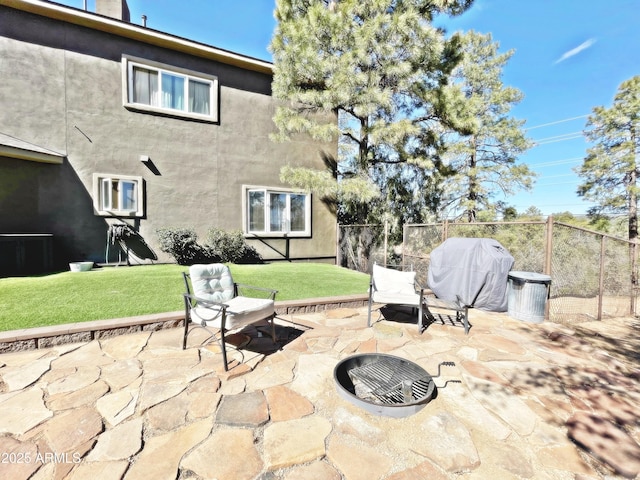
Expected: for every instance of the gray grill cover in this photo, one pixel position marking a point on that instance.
(474, 269)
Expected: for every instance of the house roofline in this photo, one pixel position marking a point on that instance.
(13, 147)
(137, 32)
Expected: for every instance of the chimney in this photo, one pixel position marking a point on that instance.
(117, 9)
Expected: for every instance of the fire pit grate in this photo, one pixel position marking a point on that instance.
(390, 380)
(385, 384)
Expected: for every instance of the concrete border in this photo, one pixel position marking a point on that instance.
(43, 337)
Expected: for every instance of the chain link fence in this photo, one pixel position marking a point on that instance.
(591, 272)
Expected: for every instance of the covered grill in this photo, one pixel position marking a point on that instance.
(472, 272)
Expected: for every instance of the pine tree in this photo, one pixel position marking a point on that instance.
(610, 169)
(485, 163)
(381, 69)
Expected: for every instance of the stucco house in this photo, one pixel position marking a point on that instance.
(104, 121)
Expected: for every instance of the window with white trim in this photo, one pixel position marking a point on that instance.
(118, 195)
(277, 212)
(156, 87)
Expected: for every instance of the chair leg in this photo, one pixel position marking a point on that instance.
(186, 332)
(223, 346)
(273, 328)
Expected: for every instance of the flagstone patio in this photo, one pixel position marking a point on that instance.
(539, 401)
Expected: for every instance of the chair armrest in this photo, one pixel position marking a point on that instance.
(203, 302)
(272, 293)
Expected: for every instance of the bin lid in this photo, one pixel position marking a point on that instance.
(531, 277)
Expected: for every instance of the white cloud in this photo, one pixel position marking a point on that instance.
(577, 50)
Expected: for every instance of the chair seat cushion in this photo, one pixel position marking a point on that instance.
(412, 299)
(241, 312)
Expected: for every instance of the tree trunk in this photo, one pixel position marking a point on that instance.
(473, 183)
(633, 225)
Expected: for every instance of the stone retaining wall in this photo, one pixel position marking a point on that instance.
(43, 337)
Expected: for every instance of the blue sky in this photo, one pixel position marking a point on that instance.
(570, 56)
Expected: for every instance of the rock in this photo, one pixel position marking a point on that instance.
(161, 455)
(357, 426)
(285, 404)
(22, 411)
(235, 456)
(606, 442)
(243, 410)
(74, 379)
(447, 442)
(119, 443)
(99, 470)
(67, 432)
(314, 471)
(363, 462)
(89, 354)
(18, 458)
(314, 376)
(419, 472)
(117, 407)
(121, 374)
(295, 441)
(125, 347)
(19, 377)
(77, 398)
(271, 375)
(504, 404)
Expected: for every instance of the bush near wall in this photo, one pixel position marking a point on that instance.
(220, 246)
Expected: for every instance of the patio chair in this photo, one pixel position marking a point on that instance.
(216, 303)
(394, 287)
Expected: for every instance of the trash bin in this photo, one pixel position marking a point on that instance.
(527, 294)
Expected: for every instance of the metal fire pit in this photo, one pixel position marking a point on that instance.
(384, 384)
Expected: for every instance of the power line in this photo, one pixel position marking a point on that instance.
(559, 138)
(557, 121)
(557, 162)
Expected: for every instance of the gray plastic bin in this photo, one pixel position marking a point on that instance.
(527, 294)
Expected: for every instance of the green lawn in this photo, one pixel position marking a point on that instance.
(116, 292)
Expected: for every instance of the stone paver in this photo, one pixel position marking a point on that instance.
(538, 401)
(295, 441)
(588, 430)
(228, 454)
(447, 442)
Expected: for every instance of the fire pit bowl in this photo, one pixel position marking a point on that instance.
(383, 384)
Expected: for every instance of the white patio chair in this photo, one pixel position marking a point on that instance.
(216, 303)
(393, 287)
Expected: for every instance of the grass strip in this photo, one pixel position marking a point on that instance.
(116, 292)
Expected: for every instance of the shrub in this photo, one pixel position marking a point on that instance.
(182, 244)
(231, 246)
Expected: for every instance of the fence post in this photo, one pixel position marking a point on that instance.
(547, 260)
(548, 246)
(601, 276)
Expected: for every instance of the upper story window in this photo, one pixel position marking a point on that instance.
(118, 195)
(277, 212)
(156, 87)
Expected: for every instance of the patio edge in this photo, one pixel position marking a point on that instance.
(44, 337)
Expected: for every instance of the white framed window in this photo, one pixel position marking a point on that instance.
(276, 212)
(118, 195)
(156, 87)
